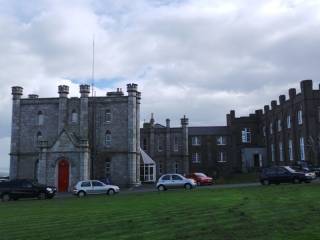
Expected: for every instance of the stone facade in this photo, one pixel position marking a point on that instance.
(167, 146)
(95, 137)
(100, 137)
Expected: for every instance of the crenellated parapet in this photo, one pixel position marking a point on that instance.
(63, 91)
(17, 92)
(84, 90)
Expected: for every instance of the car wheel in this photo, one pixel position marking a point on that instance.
(161, 188)
(265, 182)
(42, 196)
(296, 180)
(5, 198)
(81, 194)
(187, 186)
(111, 192)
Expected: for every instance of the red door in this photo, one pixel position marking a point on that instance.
(63, 178)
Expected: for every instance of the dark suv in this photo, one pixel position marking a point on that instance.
(23, 188)
(284, 174)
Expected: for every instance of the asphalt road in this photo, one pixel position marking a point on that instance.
(151, 188)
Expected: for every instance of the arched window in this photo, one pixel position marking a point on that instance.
(108, 168)
(40, 118)
(107, 116)
(39, 137)
(36, 170)
(108, 138)
(74, 116)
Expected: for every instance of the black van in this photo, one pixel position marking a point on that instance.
(284, 174)
(23, 188)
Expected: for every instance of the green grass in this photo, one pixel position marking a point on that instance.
(271, 212)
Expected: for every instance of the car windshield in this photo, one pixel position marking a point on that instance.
(290, 169)
(200, 175)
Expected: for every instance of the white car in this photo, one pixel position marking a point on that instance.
(174, 181)
(84, 188)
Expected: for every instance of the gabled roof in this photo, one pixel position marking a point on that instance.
(64, 142)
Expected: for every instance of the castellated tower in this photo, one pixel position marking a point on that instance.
(59, 141)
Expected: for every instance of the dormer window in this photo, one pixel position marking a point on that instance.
(40, 118)
(107, 116)
(74, 116)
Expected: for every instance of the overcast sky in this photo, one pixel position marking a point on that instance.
(195, 57)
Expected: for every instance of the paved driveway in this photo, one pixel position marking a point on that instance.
(151, 188)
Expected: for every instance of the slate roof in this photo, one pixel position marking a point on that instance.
(217, 130)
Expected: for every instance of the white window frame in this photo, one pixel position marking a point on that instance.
(196, 157)
(290, 150)
(40, 118)
(74, 116)
(281, 151)
(159, 144)
(279, 125)
(160, 168)
(302, 153)
(300, 120)
(108, 139)
(271, 128)
(222, 140)
(222, 156)
(196, 141)
(264, 131)
(175, 144)
(107, 116)
(272, 153)
(108, 168)
(289, 121)
(246, 135)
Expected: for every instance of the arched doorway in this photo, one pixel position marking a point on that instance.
(63, 176)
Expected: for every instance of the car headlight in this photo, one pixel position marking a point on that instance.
(49, 189)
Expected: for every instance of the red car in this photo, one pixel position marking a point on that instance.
(201, 178)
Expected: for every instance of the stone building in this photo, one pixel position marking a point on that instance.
(167, 146)
(210, 150)
(248, 148)
(291, 129)
(62, 140)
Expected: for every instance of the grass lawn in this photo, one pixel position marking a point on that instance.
(271, 212)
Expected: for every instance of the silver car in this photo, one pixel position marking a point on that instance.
(174, 181)
(83, 188)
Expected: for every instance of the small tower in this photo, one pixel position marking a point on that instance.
(185, 150)
(84, 90)
(133, 157)
(63, 91)
(15, 131)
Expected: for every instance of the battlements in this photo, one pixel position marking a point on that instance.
(63, 90)
(17, 92)
(115, 94)
(33, 96)
(184, 121)
(84, 90)
(132, 87)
